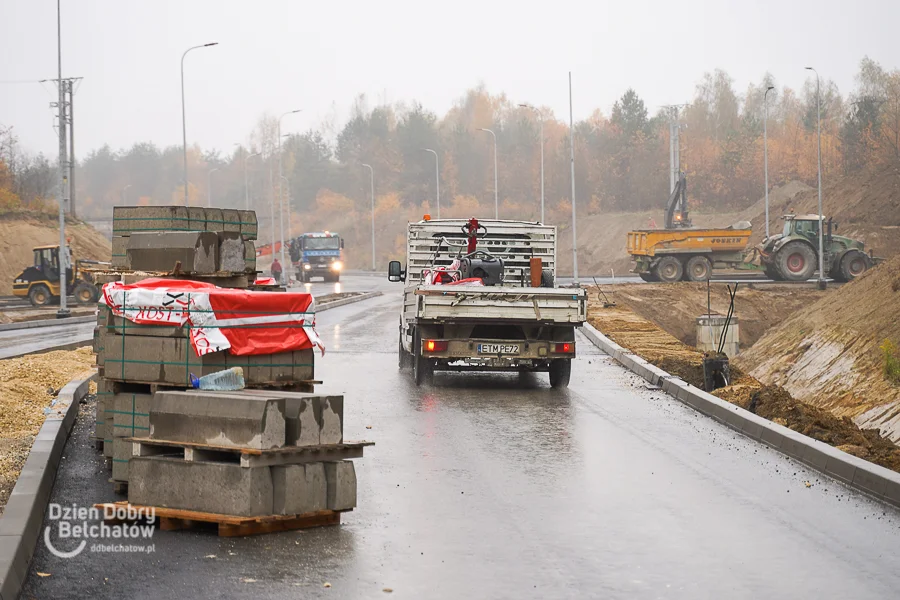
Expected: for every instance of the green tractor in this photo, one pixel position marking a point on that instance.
(792, 255)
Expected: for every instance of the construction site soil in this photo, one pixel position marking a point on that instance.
(20, 233)
(646, 339)
(27, 386)
(830, 354)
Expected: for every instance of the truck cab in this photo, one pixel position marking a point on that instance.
(318, 254)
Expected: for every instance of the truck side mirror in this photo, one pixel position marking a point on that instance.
(342, 243)
(835, 226)
(395, 271)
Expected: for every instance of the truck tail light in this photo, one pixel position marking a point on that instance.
(564, 348)
(435, 345)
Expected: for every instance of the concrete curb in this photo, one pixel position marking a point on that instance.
(46, 323)
(69, 346)
(868, 478)
(345, 301)
(20, 525)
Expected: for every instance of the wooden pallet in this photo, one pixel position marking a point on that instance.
(171, 519)
(248, 457)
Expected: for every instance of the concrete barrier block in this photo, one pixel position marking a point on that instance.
(231, 250)
(249, 255)
(840, 467)
(131, 417)
(248, 224)
(892, 491)
(341, 478)
(332, 408)
(122, 451)
(299, 489)
(753, 426)
(215, 220)
(232, 419)
(231, 220)
(197, 218)
(132, 219)
(197, 251)
(119, 252)
(871, 479)
(222, 488)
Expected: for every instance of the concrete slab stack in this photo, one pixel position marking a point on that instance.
(229, 225)
(247, 453)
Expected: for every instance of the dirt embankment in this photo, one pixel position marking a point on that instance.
(19, 234)
(675, 307)
(27, 385)
(829, 355)
(646, 339)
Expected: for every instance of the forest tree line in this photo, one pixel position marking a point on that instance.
(621, 158)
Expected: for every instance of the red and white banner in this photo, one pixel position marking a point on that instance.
(240, 321)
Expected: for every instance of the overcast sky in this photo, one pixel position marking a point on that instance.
(278, 55)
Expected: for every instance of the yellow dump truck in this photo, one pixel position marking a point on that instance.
(690, 254)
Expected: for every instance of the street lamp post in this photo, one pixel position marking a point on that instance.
(819, 156)
(209, 186)
(496, 196)
(124, 200)
(541, 117)
(372, 193)
(287, 181)
(63, 312)
(247, 185)
(184, 119)
(280, 177)
(437, 180)
(766, 151)
(572, 163)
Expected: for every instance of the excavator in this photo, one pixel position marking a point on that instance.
(40, 281)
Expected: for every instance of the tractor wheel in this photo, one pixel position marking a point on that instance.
(423, 370)
(796, 261)
(854, 264)
(560, 372)
(669, 269)
(40, 295)
(85, 293)
(772, 273)
(648, 277)
(698, 268)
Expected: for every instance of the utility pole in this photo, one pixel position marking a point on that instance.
(71, 114)
(821, 283)
(437, 180)
(496, 195)
(63, 312)
(572, 161)
(766, 151)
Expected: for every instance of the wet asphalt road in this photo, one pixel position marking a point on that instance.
(491, 486)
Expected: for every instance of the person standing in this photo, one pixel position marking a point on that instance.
(276, 270)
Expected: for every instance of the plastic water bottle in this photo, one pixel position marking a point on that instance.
(227, 380)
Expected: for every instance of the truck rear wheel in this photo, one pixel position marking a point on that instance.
(698, 269)
(560, 372)
(648, 277)
(796, 261)
(669, 269)
(423, 370)
(405, 360)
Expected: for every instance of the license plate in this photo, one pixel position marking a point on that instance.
(498, 349)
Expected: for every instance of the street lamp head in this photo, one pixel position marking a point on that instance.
(211, 44)
(771, 87)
